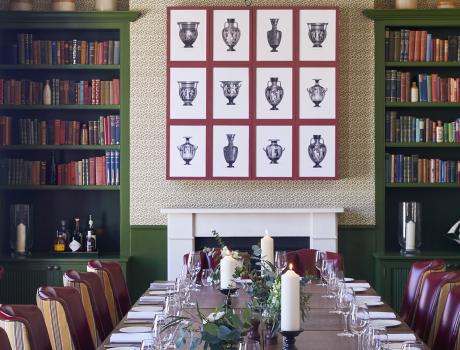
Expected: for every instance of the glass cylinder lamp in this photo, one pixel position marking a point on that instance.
(410, 227)
(21, 238)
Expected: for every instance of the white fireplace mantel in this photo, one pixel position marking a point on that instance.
(319, 224)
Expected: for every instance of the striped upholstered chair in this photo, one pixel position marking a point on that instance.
(65, 318)
(448, 334)
(25, 327)
(115, 288)
(4, 341)
(94, 302)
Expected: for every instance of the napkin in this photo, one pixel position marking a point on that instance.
(381, 315)
(142, 315)
(399, 337)
(129, 338)
(157, 298)
(358, 285)
(367, 298)
(161, 285)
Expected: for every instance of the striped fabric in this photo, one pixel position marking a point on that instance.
(105, 279)
(17, 334)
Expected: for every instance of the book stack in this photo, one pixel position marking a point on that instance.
(23, 172)
(401, 168)
(413, 129)
(408, 45)
(30, 51)
(5, 130)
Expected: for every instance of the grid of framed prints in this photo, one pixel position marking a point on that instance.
(252, 93)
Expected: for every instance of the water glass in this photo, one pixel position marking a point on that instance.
(172, 306)
(249, 345)
(345, 300)
(281, 261)
(358, 321)
(194, 267)
(206, 277)
(163, 333)
(326, 266)
(376, 338)
(413, 345)
(319, 262)
(149, 344)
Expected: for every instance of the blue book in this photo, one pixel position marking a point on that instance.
(112, 168)
(81, 93)
(108, 164)
(117, 168)
(53, 52)
(428, 47)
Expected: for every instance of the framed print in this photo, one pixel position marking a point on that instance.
(231, 93)
(231, 33)
(318, 34)
(187, 151)
(274, 93)
(273, 151)
(187, 93)
(317, 97)
(230, 151)
(317, 151)
(274, 35)
(188, 35)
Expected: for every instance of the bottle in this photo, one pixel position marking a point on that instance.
(90, 236)
(47, 93)
(439, 132)
(59, 242)
(75, 244)
(64, 232)
(414, 92)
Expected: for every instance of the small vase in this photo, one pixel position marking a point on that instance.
(187, 150)
(317, 93)
(274, 35)
(188, 33)
(253, 332)
(21, 5)
(63, 5)
(230, 151)
(274, 93)
(274, 151)
(270, 335)
(317, 33)
(47, 93)
(231, 34)
(187, 91)
(317, 150)
(106, 5)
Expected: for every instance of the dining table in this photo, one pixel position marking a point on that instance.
(320, 327)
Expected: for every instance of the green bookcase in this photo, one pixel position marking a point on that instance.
(440, 202)
(108, 204)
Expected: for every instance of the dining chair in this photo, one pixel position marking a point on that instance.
(417, 274)
(303, 261)
(115, 287)
(4, 341)
(25, 327)
(448, 334)
(65, 318)
(94, 303)
(433, 295)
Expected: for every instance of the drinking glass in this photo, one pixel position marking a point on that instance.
(345, 300)
(194, 267)
(206, 277)
(377, 338)
(319, 263)
(332, 285)
(150, 344)
(280, 261)
(413, 345)
(172, 306)
(164, 334)
(326, 266)
(249, 345)
(358, 321)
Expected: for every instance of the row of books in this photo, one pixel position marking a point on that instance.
(407, 128)
(408, 45)
(63, 92)
(31, 51)
(5, 130)
(401, 168)
(105, 131)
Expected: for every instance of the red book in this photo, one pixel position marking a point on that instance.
(106, 52)
(59, 174)
(411, 45)
(100, 174)
(434, 90)
(418, 42)
(116, 91)
(423, 46)
(92, 171)
(1, 91)
(42, 172)
(106, 131)
(443, 89)
(72, 173)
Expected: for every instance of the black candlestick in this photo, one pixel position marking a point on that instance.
(289, 339)
(228, 292)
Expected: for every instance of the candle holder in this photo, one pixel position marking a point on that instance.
(21, 238)
(410, 227)
(289, 339)
(228, 292)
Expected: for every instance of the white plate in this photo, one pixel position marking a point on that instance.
(147, 308)
(359, 289)
(125, 348)
(385, 323)
(158, 292)
(135, 329)
(393, 346)
(348, 279)
(374, 303)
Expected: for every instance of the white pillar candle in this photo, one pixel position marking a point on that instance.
(267, 248)
(227, 270)
(226, 251)
(290, 301)
(410, 235)
(21, 238)
(106, 5)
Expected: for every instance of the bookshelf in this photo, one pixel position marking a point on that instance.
(109, 204)
(439, 200)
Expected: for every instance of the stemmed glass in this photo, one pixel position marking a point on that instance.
(345, 299)
(413, 345)
(280, 261)
(377, 338)
(149, 344)
(326, 266)
(319, 263)
(358, 321)
(172, 306)
(194, 267)
(249, 345)
(163, 332)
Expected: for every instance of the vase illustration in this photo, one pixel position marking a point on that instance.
(274, 35)
(230, 151)
(187, 150)
(317, 150)
(317, 93)
(231, 89)
(317, 33)
(274, 151)
(187, 91)
(188, 32)
(231, 34)
(274, 93)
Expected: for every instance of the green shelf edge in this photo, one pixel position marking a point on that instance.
(423, 64)
(59, 107)
(58, 188)
(423, 185)
(421, 145)
(422, 105)
(15, 67)
(59, 147)
(433, 15)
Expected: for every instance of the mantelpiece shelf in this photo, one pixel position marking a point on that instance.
(423, 185)
(59, 147)
(422, 145)
(423, 64)
(59, 107)
(58, 187)
(16, 67)
(422, 105)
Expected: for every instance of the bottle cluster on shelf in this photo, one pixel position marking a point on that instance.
(427, 88)
(5, 130)
(105, 131)
(27, 50)
(75, 241)
(406, 128)
(407, 45)
(60, 92)
(401, 168)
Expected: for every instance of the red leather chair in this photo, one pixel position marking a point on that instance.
(448, 335)
(65, 318)
(92, 295)
(417, 275)
(433, 295)
(24, 324)
(303, 261)
(4, 341)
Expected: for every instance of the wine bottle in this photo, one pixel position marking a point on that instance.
(90, 236)
(64, 232)
(59, 243)
(75, 244)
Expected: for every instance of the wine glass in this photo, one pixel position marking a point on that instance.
(172, 306)
(326, 266)
(149, 344)
(319, 262)
(358, 321)
(377, 338)
(249, 345)
(345, 299)
(194, 267)
(413, 345)
(280, 261)
(206, 277)
(163, 332)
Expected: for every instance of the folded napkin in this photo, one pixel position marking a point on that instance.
(142, 315)
(399, 337)
(367, 298)
(161, 285)
(381, 315)
(358, 285)
(157, 292)
(158, 298)
(129, 338)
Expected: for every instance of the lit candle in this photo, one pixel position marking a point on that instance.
(225, 251)
(227, 270)
(290, 301)
(410, 235)
(267, 246)
(21, 238)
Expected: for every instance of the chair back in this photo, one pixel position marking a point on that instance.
(434, 287)
(94, 303)
(25, 327)
(4, 341)
(448, 334)
(65, 318)
(303, 261)
(115, 287)
(417, 275)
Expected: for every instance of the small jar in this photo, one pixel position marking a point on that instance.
(63, 5)
(405, 4)
(21, 5)
(106, 5)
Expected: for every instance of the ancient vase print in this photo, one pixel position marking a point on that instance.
(274, 35)
(317, 150)
(187, 150)
(188, 91)
(274, 93)
(274, 151)
(230, 88)
(230, 151)
(188, 33)
(231, 33)
(317, 33)
(317, 93)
